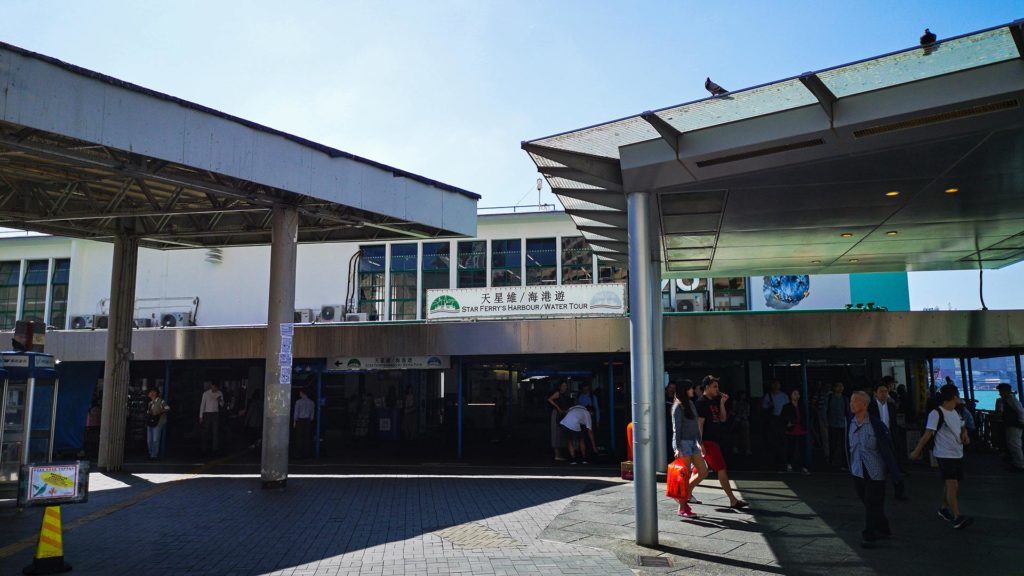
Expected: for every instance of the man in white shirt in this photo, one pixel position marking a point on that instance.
(209, 417)
(950, 433)
(576, 420)
(302, 424)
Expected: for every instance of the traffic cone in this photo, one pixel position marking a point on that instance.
(49, 558)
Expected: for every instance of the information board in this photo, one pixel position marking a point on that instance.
(52, 484)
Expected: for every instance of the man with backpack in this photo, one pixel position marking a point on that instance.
(950, 434)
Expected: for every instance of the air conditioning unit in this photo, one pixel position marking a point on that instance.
(689, 302)
(142, 323)
(303, 316)
(332, 313)
(176, 319)
(81, 322)
(357, 317)
(101, 321)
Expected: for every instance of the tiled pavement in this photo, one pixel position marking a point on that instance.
(508, 525)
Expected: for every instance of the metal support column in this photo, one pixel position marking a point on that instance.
(1020, 383)
(166, 394)
(642, 369)
(277, 399)
(805, 396)
(963, 379)
(458, 407)
(116, 367)
(611, 403)
(969, 380)
(319, 403)
(661, 441)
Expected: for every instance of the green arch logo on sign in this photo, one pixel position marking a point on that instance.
(445, 305)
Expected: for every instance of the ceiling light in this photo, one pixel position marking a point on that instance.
(892, 193)
(891, 233)
(846, 235)
(952, 190)
(854, 260)
(815, 261)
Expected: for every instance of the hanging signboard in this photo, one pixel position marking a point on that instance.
(357, 364)
(51, 484)
(563, 300)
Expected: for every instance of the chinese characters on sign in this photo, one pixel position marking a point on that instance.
(354, 364)
(527, 301)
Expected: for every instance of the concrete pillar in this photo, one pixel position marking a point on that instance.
(277, 398)
(116, 368)
(642, 370)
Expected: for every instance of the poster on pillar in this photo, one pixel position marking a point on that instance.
(575, 300)
(284, 357)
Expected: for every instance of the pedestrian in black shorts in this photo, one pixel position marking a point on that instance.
(950, 433)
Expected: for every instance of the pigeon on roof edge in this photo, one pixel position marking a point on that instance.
(927, 38)
(715, 89)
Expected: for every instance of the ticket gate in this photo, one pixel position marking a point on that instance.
(28, 407)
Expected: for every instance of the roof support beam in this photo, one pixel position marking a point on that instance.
(825, 97)
(612, 219)
(580, 176)
(613, 200)
(668, 132)
(1017, 31)
(604, 232)
(606, 169)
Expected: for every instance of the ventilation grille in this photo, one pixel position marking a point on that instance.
(759, 152)
(653, 561)
(938, 118)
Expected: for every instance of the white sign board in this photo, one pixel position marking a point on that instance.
(527, 302)
(53, 482)
(355, 364)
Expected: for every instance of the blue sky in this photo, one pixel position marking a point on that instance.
(448, 89)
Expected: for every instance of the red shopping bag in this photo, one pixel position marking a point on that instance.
(678, 477)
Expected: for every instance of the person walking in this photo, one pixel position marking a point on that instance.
(302, 424)
(209, 418)
(796, 433)
(883, 407)
(945, 425)
(686, 443)
(589, 400)
(156, 421)
(1013, 423)
(576, 424)
(560, 403)
(838, 412)
(871, 461)
(711, 418)
(771, 406)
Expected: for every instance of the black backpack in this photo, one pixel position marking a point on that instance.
(942, 422)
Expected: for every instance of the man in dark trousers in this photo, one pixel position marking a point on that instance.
(302, 425)
(884, 408)
(871, 461)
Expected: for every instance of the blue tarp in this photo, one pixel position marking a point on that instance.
(77, 384)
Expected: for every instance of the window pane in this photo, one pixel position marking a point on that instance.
(9, 272)
(59, 306)
(62, 271)
(371, 282)
(612, 274)
(540, 261)
(506, 262)
(577, 261)
(436, 264)
(472, 271)
(403, 257)
(37, 272)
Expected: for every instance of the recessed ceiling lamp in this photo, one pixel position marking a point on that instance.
(893, 193)
(815, 261)
(952, 190)
(891, 233)
(854, 260)
(846, 235)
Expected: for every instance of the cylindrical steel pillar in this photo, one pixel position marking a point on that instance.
(116, 368)
(661, 431)
(277, 399)
(642, 369)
